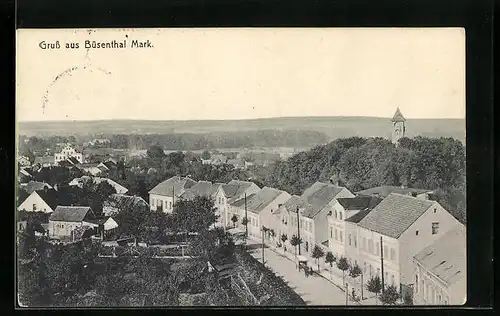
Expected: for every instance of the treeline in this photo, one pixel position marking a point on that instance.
(185, 141)
(361, 163)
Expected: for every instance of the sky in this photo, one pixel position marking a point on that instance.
(241, 73)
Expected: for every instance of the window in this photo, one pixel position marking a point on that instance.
(392, 279)
(393, 254)
(331, 232)
(386, 252)
(416, 283)
(435, 228)
(336, 216)
(220, 200)
(355, 242)
(170, 205)
(416, 233)
(340, 215)
(336, 236)
(34, 207)
(341, 236)
(349, 239)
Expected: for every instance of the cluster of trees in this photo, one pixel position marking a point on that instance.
(34, 143)
(361, 163)
(185, 141)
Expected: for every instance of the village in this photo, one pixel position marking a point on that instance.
(381, 245)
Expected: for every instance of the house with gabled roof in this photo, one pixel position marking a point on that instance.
(117, 203)
(227, 193)
(163, 196)
(79, 182)
(64, 220)
(440, 270)
(342, 224)
(398, 228)
(309, 212)
(259, 208)
(44, 200)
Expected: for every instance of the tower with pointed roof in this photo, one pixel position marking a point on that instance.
(399, 127)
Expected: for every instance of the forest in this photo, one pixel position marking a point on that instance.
(359, 163)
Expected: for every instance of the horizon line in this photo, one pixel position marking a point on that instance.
(234, 119)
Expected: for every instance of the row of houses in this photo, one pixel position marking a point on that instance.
(401, 227)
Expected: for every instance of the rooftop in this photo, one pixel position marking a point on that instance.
(236, 188)
(398, 117)
(359, 202)
(122, 201)
(32, 186)
(262, 199)
(70, 213)
(446, 258)
(317, 196)
(202, 188)
(385, 190)
(395, 214)
(175, 185)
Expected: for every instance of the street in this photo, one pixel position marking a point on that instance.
(314, 289)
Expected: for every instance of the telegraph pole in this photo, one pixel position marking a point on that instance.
(246, 217)
(298, 227)
(346, 293)
(382, 262)
(263, 245)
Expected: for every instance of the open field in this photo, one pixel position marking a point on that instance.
(333, 127)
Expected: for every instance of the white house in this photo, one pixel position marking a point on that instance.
(67, 152)
(260, 207)
(440, 270)
(44, 200)
(228, 194)
(65, 219)
(342, 232)
(24, 161)
(400, 227)
(163, 196)
(313, 207)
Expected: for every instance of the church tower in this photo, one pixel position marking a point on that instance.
(399, 128)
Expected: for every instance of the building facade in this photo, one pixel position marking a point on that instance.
(67, 152)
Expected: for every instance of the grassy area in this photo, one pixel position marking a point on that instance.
(271, 289)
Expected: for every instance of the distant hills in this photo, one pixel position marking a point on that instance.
(332, 127)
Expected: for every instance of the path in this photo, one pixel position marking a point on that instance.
(314, 290)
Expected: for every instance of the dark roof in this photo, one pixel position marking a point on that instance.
(73, 160)
(356, 218)
(395, 214)
(241, 202)
(317, 196)
(398, 117)
(385, 190)
(293, 202)
(446, 257)
(262, 199)
(179, 184)
(236, 188)
(359, 202)
(122, 201)
(202, 188)
(70, 213)
(50, 196)
(32, 186)
(109, 164)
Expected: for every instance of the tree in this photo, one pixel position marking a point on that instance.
(354, 272)
(244, 222)
(234, 219)
(155, 152)
(317, 254)
(295, 242)
(343, 265)
(330, 259)
(374, 285)
(284, 238)
(196, 215)
(407, 299)
(390, 295)
(205, 155)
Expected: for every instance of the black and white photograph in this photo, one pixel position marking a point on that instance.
(229, 167)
